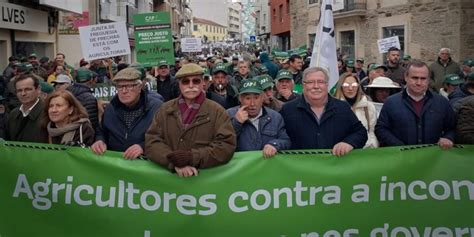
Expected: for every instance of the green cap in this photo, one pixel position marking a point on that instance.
(406, 57)
(350, 62)
(263, 69)
(284, 74)
(265, 81)
(163, 63)
(207, 72)
(128, 74)
(470, 77)
(453, 79)
(377, 66)
(220, 68)
(189, 69)
(45, 87)
(33, 55)
(251, 86)
(468, 62)
(83, 75)
(25, 67)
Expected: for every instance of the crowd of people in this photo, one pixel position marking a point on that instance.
(200, 111)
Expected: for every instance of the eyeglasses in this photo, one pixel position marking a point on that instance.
(315, 82)
(126, 87)
(353, 84)
(195, 81)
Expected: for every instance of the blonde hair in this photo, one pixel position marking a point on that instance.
(340, 94)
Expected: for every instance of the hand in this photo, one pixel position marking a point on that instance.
(99, 147)
(186, 171)
(180, 158)
(445, 143)
(242, 115)
(341, 149)
(133, 152)
(269, 151)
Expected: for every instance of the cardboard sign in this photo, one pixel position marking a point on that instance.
(104, 40)
(191, 45)
(385, 44)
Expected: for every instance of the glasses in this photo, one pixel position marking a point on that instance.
(353, 84)
(195, 81)
(126, 87)
(315, 82)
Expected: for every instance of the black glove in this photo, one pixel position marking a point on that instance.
(180, 158)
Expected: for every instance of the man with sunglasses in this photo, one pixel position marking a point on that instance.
(190, 132)
(127, 117)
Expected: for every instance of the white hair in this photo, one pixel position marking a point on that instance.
(448, 50)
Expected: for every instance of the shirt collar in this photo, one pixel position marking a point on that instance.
(27, 112)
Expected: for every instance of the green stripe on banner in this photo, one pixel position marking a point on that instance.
(48, 190)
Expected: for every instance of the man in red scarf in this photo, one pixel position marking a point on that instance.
(190, 132)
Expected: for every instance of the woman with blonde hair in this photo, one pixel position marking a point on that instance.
(349, 89)
(67, 121)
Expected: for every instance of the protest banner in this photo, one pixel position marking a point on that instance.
(189, 45)
(104, 40)
(387, 43)
(153, 38)
(106, 91)
(51, 190)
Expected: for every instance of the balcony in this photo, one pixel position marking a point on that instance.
(352, 8)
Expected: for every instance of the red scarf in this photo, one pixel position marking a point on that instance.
(189, 112)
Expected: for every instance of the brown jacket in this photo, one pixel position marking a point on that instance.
(210, 137)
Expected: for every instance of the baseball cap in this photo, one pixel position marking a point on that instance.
(263, 69)
(128, 74)
(453, 79)
(284, 74)
(470, 77)
(33, 55)
(360, 59)
(83, 75)
(163, 63)
(251, 86)
(265, 81)
(207, 72)
(189, 70)
(46, 88)
(406, 57)
(25, 67)
(61, 78)
(220, 68)
(468, 62)
(44, 59)
(350, 62)
(377, 66)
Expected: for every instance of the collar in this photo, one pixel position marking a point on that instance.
(27, 112)
(416, 98)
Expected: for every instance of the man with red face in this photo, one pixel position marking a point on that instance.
(190, 132)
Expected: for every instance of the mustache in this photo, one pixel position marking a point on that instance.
(316, 90)
(194, 89)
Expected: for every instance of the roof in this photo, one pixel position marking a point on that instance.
(206, 22)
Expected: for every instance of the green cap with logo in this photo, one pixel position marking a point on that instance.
(350, 62)
(284, 74)
(207, 72)
(266, 81)
(406, 57)
(453, 79)
(25, 67)
(83, 75)
(377, 66)
(163, 63)
(251, 86)
(263, 69)
(470, 78)
(468, 62)
(220, 68)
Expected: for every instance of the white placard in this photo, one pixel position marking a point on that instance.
(385, 44)
(337, 5)
(191, 45)
(23, 18)
(104, 40)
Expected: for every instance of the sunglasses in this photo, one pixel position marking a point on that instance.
(195, 81)
(353, 84)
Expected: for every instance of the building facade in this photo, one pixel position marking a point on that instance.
(209, 31)
(234, 23)
(280, 24)
(262, 24)
(422, 27)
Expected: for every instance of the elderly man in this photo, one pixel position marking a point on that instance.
(127, 117)
(416, 115)
(23, 123)
(190, 132)
(221, 86)
(257, 127)
(242, 74)
(316, 120)
(443, 66)
(285, 86)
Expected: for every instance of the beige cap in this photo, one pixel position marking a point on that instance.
(128, 74)
(189, 70)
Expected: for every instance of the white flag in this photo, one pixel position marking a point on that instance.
(324, 50)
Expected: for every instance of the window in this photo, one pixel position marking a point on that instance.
(348, 43)
(195, 27)
(396, 31)
(280, 12)
(264, 19)
(312, 2)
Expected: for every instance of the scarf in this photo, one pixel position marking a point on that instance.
(189, 112)
(67, 131)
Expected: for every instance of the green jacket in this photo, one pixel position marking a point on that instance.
(438, 71)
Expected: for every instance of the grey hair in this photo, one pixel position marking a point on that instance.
(311, 70)
(445, 49)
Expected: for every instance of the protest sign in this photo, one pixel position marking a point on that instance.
(387, 43)
(104, 40)
(191, 45)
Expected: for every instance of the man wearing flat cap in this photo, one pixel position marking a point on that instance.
(190, 132)
(127, 117)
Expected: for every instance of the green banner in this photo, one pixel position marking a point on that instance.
(153, 37)
(301, 51)
(48, 190)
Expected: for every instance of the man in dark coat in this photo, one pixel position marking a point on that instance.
(166, 84)
(81, 89)
(316, 120)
